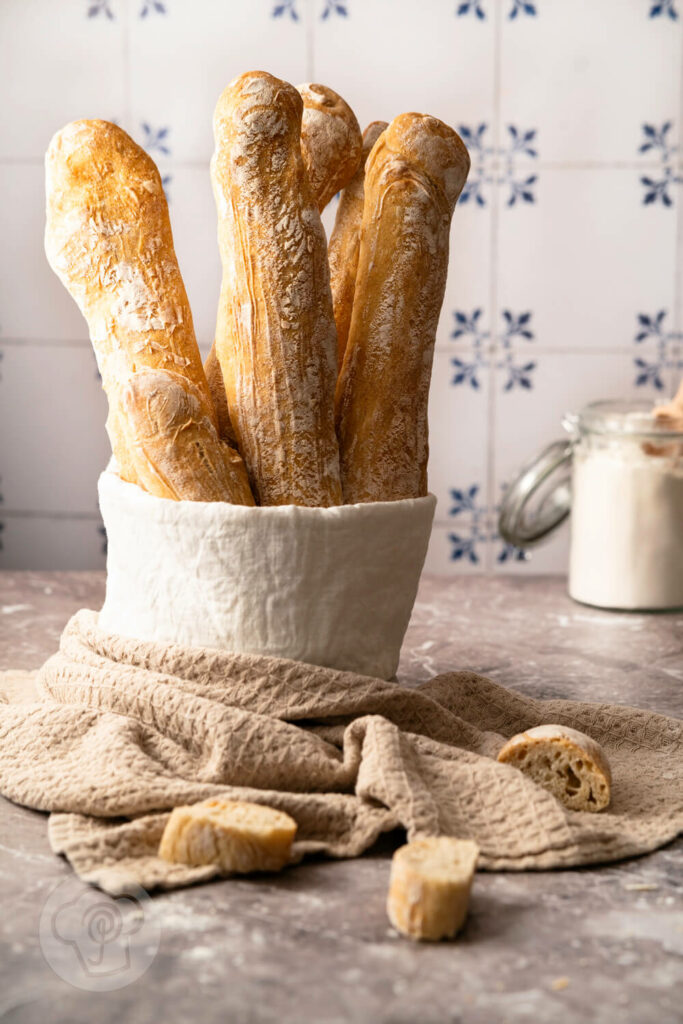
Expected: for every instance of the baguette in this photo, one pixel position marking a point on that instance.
(344, 244)
(214, 378)
(566, 762)
(174, 446)
(413, 178)
(108, 238)
(239, 837)
(331, 143)
(430, 884)
(275, 333)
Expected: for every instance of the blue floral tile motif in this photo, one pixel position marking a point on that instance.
(493, 350)
(285, 8)
(152, 7)
(101, 8)
(652, 330)
(479, 530)
(656, 142)
(522, 7)
(155, 139)
(166, 180)
(477, 8)
(497, 165)
(334, 7)
(663, 9)
(471, 7)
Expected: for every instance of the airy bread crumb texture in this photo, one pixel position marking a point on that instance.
(566, 762)
(430, 884)
(239, 837)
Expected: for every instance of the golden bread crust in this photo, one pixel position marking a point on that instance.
(275, 333)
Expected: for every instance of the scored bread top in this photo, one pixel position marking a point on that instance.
(331, 141)
(413, 176)
(275, 332)
(108, 238)
(427, 143)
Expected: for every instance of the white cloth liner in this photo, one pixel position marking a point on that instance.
(328, 586)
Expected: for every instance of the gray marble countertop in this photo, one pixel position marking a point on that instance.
(592, 945)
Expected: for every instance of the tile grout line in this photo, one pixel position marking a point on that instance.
(678, 255)
(493, 290)
(541, 165)
(28, 513)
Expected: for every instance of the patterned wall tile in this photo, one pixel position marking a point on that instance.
(193, 218)
(33, 302)
(459, 436)
(52, 414)
(57, 65)
(182, 59)
(387, 57)
(589, 74)
(528, 420)
(39, 542)
(584, 254)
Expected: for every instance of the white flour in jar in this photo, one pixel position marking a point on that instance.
(627, 526)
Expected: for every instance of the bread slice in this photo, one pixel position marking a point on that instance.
(239, 837)
(429, 889)
(566, 762)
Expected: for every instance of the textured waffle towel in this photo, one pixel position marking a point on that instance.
(122, 731)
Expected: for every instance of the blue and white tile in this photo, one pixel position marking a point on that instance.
(468, 285)
(390, 56)
(181, 60)
(47, 544)
(526, 420)
(193, 218)
(586, 257)
(455, 551)
(458, 418)
(589, 74)
(57, 65)
(52, 416)
(33, 302)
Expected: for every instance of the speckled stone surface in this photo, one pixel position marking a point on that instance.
(595, 945)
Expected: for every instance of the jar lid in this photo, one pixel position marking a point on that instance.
(624, 418)
(539, 499)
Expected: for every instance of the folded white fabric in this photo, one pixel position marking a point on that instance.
(327, 586)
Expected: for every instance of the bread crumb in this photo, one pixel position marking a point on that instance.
(559, 983)
(640, 886)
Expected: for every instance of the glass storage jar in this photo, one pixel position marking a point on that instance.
(620, 473)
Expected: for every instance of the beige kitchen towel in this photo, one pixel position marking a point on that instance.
(120, 731)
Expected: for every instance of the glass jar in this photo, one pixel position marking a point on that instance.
(620, 473)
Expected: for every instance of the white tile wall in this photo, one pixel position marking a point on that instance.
(567, 246)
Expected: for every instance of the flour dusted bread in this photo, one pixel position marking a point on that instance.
(566, 762)
(345, 242)
(275, 333)
(173, 445)
(108, 238)
(331, 142)
(429, 888)
(413, 177)
(214, 378)
(239, 837)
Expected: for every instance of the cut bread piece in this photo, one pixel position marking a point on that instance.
(429, 889)
(566, 762)
(239, 837)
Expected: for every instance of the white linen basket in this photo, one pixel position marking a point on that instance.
(329, 586)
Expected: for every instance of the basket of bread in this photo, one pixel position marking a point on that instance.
(273, 500)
